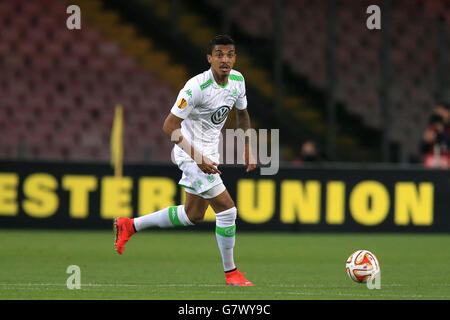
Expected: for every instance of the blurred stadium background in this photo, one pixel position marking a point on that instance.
(352, 105)
(312, 69)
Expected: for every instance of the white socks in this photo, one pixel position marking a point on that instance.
(226, 236)
(169, 217)
(176, 216)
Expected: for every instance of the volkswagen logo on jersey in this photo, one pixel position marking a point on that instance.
(220, 114)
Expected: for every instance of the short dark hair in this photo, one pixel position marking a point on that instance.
(221, 39)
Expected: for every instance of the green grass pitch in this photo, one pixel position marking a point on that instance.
(179, 265)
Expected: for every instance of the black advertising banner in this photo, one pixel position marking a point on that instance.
(88, 196)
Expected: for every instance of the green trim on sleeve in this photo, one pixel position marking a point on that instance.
(236, 77)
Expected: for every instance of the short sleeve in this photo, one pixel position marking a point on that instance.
(186, 100)
(241, 102)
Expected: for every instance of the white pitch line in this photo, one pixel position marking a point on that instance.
(64, 285)
(327, 286)
(206, 285)
(374, 294)
(111, 285)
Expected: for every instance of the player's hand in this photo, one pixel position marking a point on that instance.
(208, 166)
(249, 160)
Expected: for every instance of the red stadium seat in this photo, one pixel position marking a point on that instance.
(60, 88)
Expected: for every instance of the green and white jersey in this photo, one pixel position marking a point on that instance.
(204, 105)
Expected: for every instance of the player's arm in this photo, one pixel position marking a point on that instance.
(172, 128)
(243, 122)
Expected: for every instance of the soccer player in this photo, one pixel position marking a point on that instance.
(194, 125)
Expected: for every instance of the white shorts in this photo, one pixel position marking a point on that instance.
(211, 193)
(195, 181)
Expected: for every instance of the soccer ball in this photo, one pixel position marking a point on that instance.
(362, 265)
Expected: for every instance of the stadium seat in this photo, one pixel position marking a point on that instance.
(59, 88)
(358, 53)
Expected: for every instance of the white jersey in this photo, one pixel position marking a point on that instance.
(204, 105)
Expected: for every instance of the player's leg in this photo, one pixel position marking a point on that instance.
(192, 212)
(226, 213)
(195, 207)
(170, 217)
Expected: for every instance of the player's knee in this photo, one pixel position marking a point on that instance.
(223, 205)
(230, 204)
(195, 216)
(227, 217)
(196, 219)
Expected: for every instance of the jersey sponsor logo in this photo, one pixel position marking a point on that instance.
(220, 114)
(182, 103)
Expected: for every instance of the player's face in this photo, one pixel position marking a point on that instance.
(222, 59)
